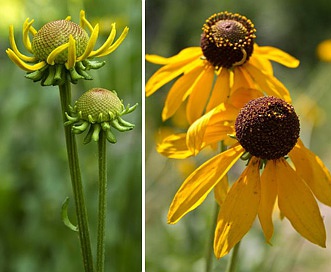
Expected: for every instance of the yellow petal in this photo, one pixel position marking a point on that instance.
(15, 49)
(197, 186)
(268, 83)
(71, 53)
(58, 50)
(239, 210)
(298, 204)
(168, 73)
(277, 55)
(241, 79)
(84, 22)
(324, 50)
(200, 94)
(213, 120)
(22, 64)
(174, 146)
(242, 96)
(268, 198)
(221, 190)
(26, 40)
(187, 55)
(221, 90)
(91, 43)
(179, 92)
(313, 171)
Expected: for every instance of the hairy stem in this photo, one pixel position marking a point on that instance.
(81, 212)
(102, 201)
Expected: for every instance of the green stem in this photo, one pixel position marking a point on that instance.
(81, 212)
(209, 255)
(234, 258)
(102, 201)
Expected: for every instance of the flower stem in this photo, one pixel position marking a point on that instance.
(234, 257)
(209, 255)
(102, 201)
(81, 212)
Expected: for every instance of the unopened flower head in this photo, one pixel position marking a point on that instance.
(99, 109)
(61, 48)
(227, 39)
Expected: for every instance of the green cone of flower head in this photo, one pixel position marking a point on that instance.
(99, 109)
(56, 33)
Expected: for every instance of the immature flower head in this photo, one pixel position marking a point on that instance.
(99, 109)
(55, 34)
(227, 39)
(267, 127)
(61, 49)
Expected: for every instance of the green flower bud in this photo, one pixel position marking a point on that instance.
(99, 109)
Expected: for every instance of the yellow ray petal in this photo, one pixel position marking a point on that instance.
(186, 55)
(109, 49)
(22, 64)
(15, 49)
(84, 22)
(239, 210)
(268, 83)
(313, 171)
(91, 43)
(221, 190)
(298, 204)
(277, 55)
(213, 120)
(26, 39)
(179, 92)
(200, 94)
(71, 53)
(174, 146)
(241, 79)
(168, 73)
(268, 198)
(197, 186)
(221, 90)
(51, 57)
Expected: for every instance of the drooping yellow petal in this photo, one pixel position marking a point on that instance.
(84, 22)
(200, 94)
(221, 90)
(298, 204)
(179, 92)
(221, 190)
(26, 39)
(91, 43)
(27, 67)
(168, 73)
(268, 83)
(242, 96)
(187, 55)
(15, 49)
(268, 198)
(51, 57)
(197, 186)
(239, 210)
(310, 167)
(241, 79)
(70, 63)
(212, 120)
(277, 55)
(174, 146)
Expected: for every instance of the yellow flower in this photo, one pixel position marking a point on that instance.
(59, 47)
(324, 50)
(267, 129)
(228, 59)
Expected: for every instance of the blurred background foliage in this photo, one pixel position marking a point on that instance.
(34, 179)
(295, 26)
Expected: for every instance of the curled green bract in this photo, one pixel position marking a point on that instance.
(99, 110)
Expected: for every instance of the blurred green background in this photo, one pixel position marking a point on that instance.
(34, 178)
(295, 26)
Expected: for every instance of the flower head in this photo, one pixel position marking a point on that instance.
(99, 109)
(228, 59)
(292, 175)
(61, 48)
